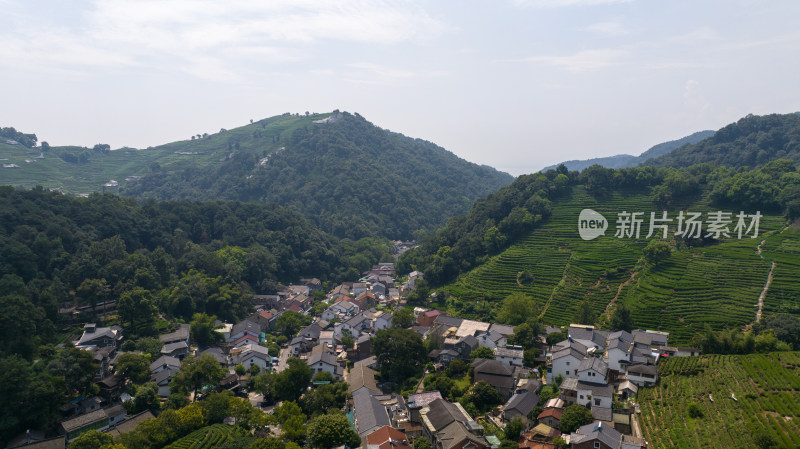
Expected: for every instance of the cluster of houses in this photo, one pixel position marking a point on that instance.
(593, 365)
(592, 368)
(375, 413)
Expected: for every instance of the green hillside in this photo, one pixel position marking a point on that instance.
(717, 284)
(350, 177)
(766, 409)
(750, 142)
(50, 169)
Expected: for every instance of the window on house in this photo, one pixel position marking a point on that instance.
(597, 445)
(597, 402)
(567, 363)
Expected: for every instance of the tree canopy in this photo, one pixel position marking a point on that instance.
(332, 430)
(400, 353)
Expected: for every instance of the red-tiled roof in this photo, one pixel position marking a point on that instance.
(554, 412)
(246, 337)
(386, 436)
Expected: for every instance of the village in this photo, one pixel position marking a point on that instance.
(572, 387)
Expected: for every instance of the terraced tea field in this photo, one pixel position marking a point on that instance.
(205, 438)
(784, 293)
(718, 284)
(767, 392)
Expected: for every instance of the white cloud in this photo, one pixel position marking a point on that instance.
(585, 60)
(371, 73)
(693, 99)
(607, 29)
(209, 36)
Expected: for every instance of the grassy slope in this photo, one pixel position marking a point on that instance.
(766, 386)
(53, 172)
(718, 284)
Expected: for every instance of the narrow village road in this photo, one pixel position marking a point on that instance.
(283, 356)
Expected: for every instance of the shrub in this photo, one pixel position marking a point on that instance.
(694, 411)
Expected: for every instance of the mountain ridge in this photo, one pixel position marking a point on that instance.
(628, 160)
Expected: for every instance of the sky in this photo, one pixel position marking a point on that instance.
(514, 84)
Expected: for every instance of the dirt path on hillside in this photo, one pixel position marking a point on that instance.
(766, 286)
(764, 292)
(619, 291)
(555, 289)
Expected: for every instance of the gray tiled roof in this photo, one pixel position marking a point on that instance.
(593, 363)
(369, 414)
(643, 369)
(522, 402)
(361, 376)
(606, 391)
(171, 347)
(423, 399)
(181, 334)
(442, 413)
(245, 326)
(162, 375)
(165, 360)
(506, 352)
(83, 420)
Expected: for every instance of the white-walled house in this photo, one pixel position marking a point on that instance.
(595, 395)
(618, 350)
(491, 339)
(254, 355)
(383, 320)
(510, 357)
(643, 375)
(594, 370)
(322, 360)
(566, 361)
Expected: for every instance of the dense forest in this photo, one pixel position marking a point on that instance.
(348, 176)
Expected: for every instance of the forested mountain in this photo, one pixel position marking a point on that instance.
(750, 142)
(627, 160)
(524, 239)
(348, 176)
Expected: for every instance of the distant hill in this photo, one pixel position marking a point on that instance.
(348, 176)
(750, 142)
(627, 160)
